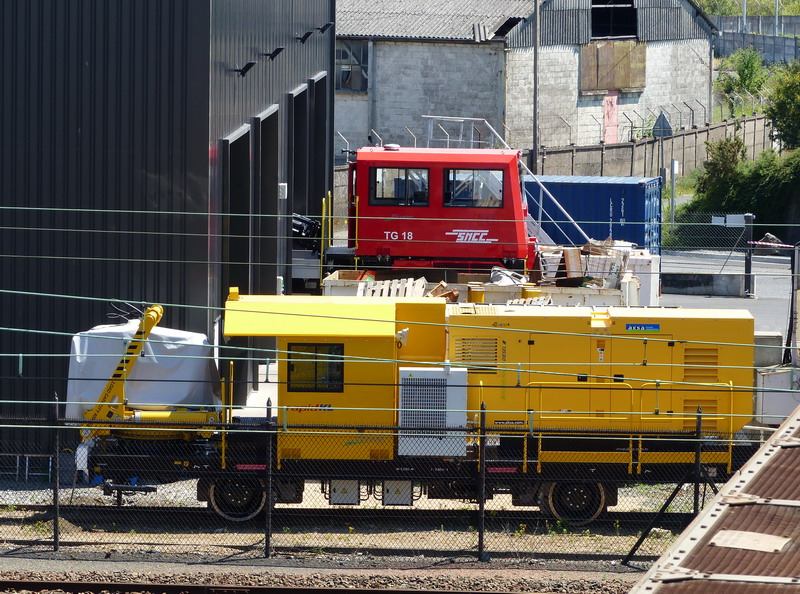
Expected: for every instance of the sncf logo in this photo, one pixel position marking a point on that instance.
(471, 235)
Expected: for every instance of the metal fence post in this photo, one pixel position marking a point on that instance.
(57, 481)
(697, 457)
(482, 556)
(270, 435)
(748, 255)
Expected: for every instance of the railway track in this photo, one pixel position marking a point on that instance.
(160, 516)
(81, 587)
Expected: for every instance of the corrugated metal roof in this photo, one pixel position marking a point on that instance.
(595, 179)
(562, 24)
(746, 539)
(452, 20)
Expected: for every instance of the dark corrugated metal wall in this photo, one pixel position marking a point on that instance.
(663, 20)
(569, 22)
(99, 107)
(119, 106)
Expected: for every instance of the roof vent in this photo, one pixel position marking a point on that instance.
(391, 147)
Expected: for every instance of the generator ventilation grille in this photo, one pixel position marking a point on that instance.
(480, 354)
(432, 404)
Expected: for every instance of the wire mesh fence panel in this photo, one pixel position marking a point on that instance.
(360, 495)
(26, 491)
(256, 488)
(692, 231)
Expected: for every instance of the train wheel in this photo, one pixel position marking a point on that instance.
(237, 500)
(575, 503)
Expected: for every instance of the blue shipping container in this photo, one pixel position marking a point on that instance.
(622, 208)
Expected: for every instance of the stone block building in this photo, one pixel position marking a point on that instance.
(604, 71)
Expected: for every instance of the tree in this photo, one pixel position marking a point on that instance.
(720, 7)
(783, 106)
(719, 181)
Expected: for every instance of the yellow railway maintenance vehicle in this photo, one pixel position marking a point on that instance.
(384, 396)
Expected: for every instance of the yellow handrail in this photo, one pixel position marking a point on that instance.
(322, 241)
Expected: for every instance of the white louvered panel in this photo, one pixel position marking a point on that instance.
(432, 398)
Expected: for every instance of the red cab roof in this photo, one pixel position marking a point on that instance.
(472, 157)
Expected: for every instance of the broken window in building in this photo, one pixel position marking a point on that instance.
(352, 62)
(613, 18)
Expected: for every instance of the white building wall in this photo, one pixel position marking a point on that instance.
(675, 71)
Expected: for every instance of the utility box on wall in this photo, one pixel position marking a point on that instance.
(623, 208)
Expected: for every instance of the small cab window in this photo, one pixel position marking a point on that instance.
(398, 186)
(316, 368)
(474, 188)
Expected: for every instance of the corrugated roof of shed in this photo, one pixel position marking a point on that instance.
(450, 20)
(724, 548)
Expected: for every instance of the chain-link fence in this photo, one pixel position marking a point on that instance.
(718, 232)
(258, 487)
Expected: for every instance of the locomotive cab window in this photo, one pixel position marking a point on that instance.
(398, 186)
(473, 188)
(316, 368)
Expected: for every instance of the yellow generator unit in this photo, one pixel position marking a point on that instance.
(616, 368)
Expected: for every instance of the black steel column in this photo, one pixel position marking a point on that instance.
(57, 481)
(482, 556)
(270, 435)
(697, 455)
(748, 254)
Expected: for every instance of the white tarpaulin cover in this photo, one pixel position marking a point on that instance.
(174, 370)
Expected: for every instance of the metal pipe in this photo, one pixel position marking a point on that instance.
(641, 117)
(569, 126)
(346, 149)
(752, 101)
(705, 112)
(680, 115)
(600, 124)
(735, 96)
(691, 111)
(445, 133)
(472, 137)
(414, 136)
(630, 123)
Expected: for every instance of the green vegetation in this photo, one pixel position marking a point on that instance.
(741, 78)
(784, 105)
(768, 187)
(754, 7)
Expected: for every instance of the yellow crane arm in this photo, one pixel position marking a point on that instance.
(114, 393)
